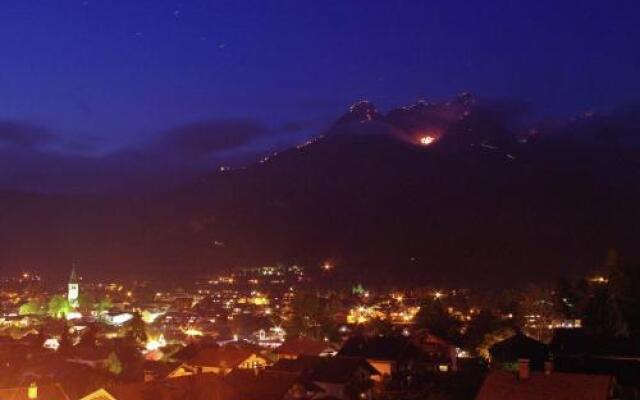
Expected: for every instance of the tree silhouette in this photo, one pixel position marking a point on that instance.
(136, 329)
(31, 307)
(113, 364)
(379, 326)
(86, 302)
(58, 307)
(103, 305)
(624, 286)
(483, 324)
(65, 340)
(434, 317)
(603, 316)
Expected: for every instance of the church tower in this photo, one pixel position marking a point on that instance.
(73, 288)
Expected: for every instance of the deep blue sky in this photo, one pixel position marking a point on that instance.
(100, 75)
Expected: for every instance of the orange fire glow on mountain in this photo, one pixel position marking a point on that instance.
(426, 137)
(427, 140)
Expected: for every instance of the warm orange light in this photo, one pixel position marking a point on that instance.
(327, 266)
(192, 332)
(599, 279)
(155, 343)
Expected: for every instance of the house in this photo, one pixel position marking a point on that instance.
(438, 354)
(90, 355)
(389, 355)
(34, 392)
(220, 360)
(339, 377)
(575, 350)
(194, 387)
(525, 384)
(303, 346)
(152, 370)
(51, 370)
(270, 385)
(519, 346)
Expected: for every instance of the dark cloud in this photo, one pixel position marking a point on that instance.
(24, 134)
(31, 170)
(201, 139)
(33, 158)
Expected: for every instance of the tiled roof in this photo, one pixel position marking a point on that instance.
(76, 379)
(325, 369)
(295, 366)
(193, 387)
(47, 392)
(226, 357)
(270, 385)
(390, 348)
(505, 385)
(520, 346)
(303, 346)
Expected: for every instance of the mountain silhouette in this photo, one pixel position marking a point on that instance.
(440, 193)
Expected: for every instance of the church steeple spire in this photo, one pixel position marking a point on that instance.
(73, 287)
(73, 278)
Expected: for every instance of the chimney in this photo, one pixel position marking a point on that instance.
(548, 367)
(32, 391)
(523, 369)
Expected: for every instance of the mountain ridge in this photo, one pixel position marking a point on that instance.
(478, 203)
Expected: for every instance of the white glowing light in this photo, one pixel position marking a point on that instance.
(150, 316)
(193, 332)
(73, 315)
(121, 318)
(427, 140)
(155, 344)
(52, 343)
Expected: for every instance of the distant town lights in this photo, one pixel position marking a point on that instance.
(327, 266)
(155, 343)
(121, 318)
(52, 343)
(73, 315)
(599, 279)
(193, 332)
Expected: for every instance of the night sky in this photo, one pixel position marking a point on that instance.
(91, 89)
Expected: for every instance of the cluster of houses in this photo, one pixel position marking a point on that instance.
(301, 368)
(362, 368)
(574, 365)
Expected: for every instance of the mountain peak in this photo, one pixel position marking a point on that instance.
(360, 112)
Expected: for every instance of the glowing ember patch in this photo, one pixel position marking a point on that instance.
(427, 140)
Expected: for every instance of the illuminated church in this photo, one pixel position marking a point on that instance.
(73, 288)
